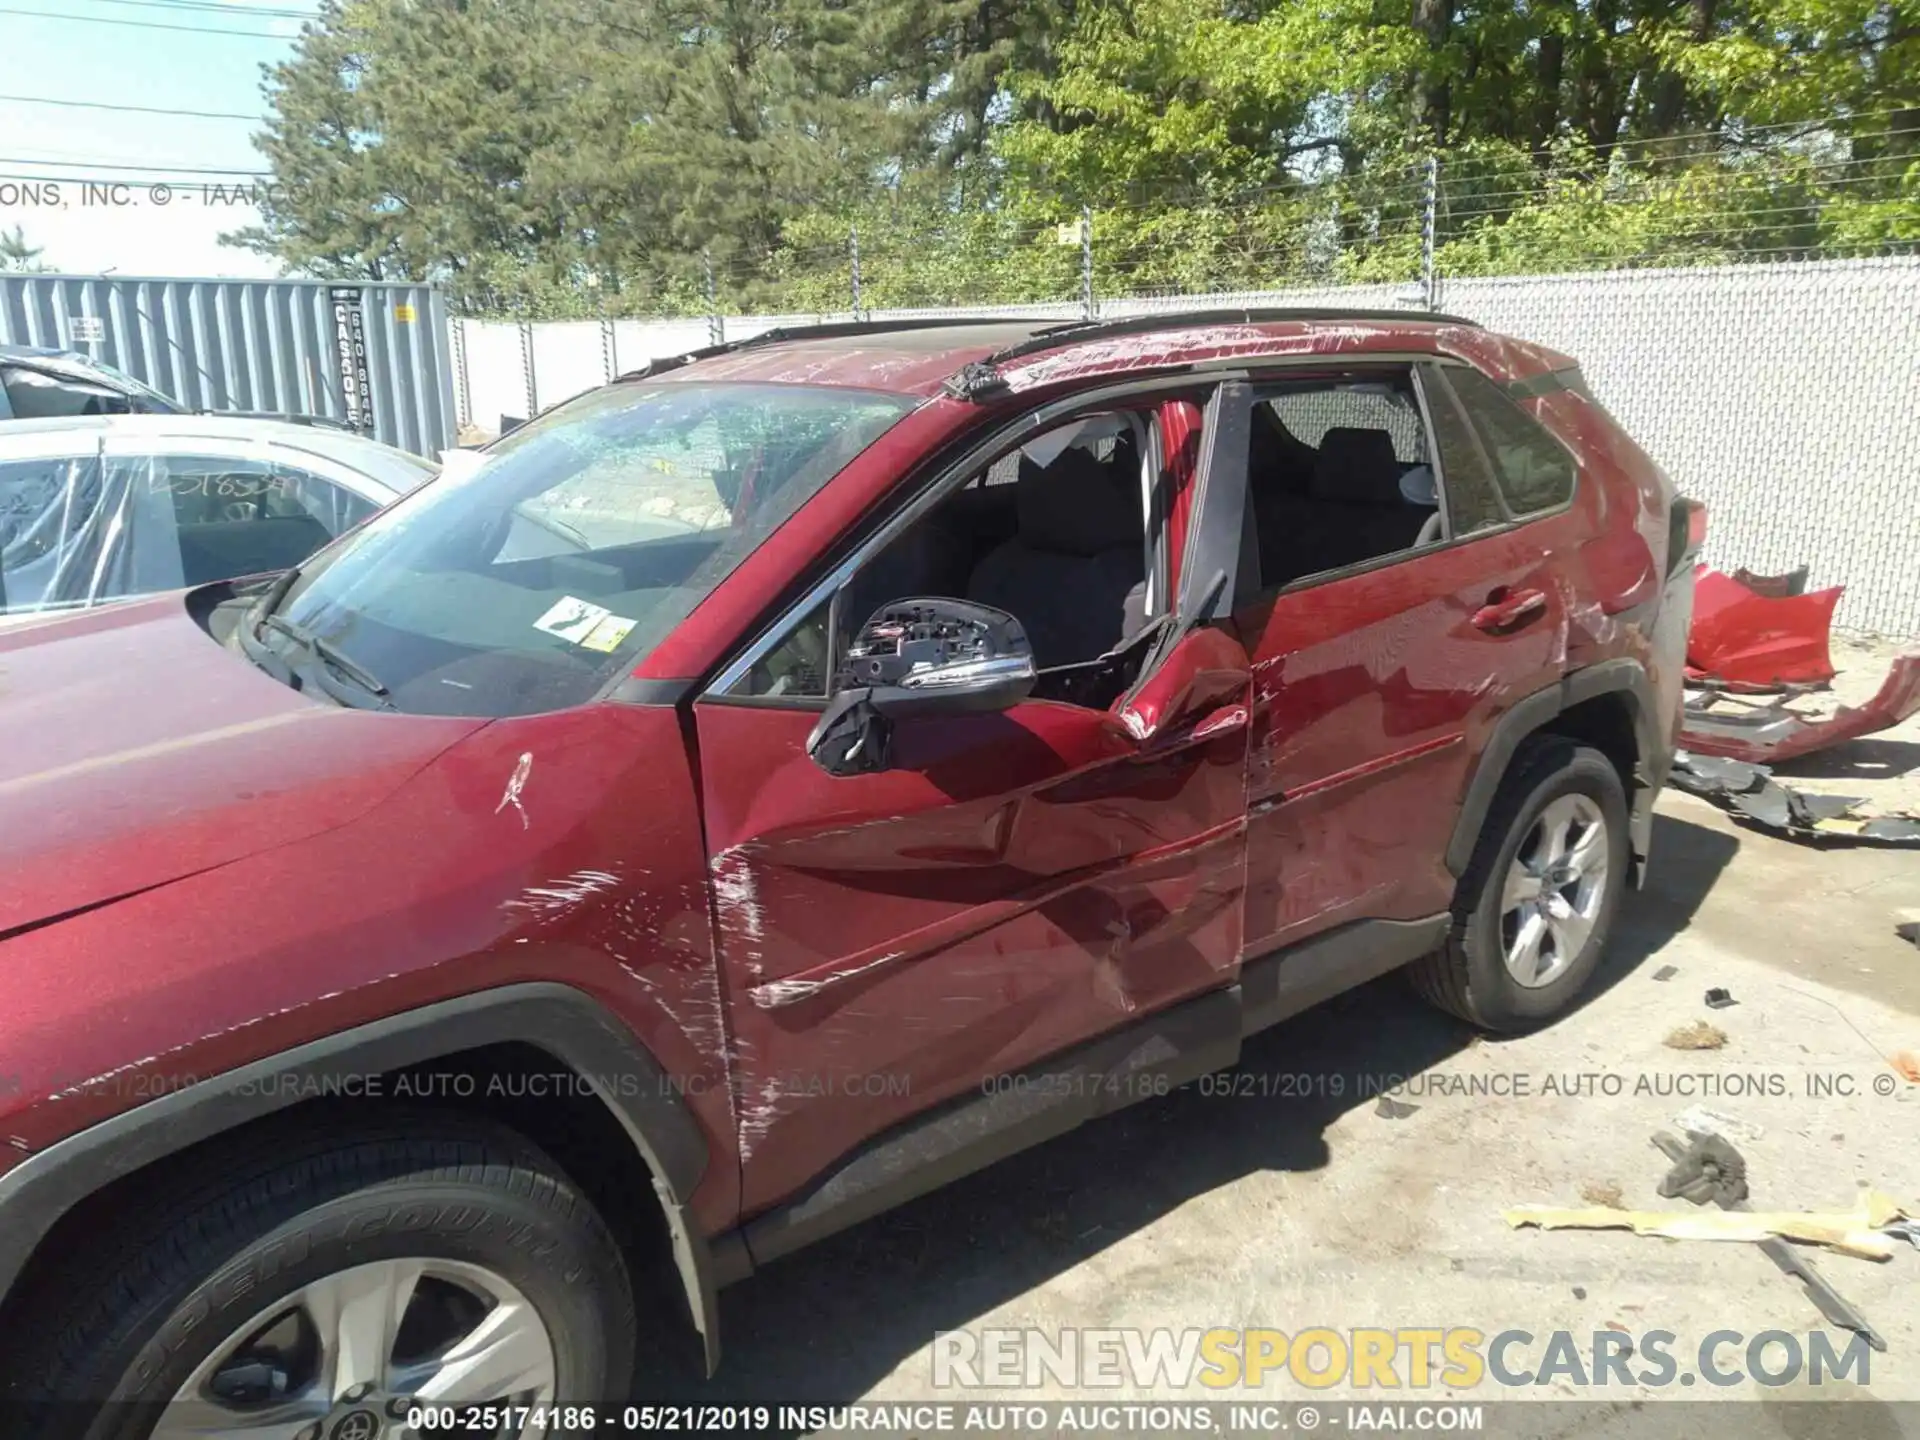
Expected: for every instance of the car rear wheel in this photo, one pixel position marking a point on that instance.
(327, 1291)
(1536, 905)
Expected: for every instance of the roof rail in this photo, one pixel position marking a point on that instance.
(830, 330)
(1078, 330)
(1046, 335)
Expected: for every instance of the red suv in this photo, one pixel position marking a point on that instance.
(766, 788)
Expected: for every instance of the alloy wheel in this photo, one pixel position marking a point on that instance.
(1554, 890)
(347, 1356)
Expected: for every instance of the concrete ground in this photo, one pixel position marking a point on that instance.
(1312, 1208)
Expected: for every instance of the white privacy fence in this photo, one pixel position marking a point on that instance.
(1785, 396)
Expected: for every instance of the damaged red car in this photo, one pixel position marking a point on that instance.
(768, 787)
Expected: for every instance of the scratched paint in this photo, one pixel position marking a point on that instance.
(516, 783)
(556, 897)
(736, 902)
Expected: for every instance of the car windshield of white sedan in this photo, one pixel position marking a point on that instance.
(523, 579)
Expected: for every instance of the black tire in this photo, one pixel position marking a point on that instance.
(1468, 975)
(128, 1321)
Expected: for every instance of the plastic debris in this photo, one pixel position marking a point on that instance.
(1855, 1232)
(1719, 998)
(1707, 1170)
(1750, 791)
(1726, 723)
(1666, 972)
(1392, 1109)
(1766, 634)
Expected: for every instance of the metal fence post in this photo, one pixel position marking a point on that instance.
(716, 326)
(609, 350)
(463, 386)
(1429, 282)
(526, 368)
(853, 266)
(1086, 262)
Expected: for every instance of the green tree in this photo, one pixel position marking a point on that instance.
(17, 255)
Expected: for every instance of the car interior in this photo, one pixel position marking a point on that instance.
(1055, 534)
(248, 522)
(1338, 475)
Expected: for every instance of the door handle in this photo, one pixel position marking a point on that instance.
(1509, 612)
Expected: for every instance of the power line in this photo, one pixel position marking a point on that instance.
(129, 109)
(119, 167)
(146, 25)
(211, 7)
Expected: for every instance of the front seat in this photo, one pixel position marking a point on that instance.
(1074, 574)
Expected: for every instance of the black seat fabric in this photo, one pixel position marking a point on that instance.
(1353, 510)
(224, 549)
(1079, 556)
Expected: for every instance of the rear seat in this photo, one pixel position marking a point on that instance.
(1353, 509)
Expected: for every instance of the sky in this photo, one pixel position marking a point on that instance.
(167, 185)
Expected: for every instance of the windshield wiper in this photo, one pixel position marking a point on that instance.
(276, 592)
(331, 659)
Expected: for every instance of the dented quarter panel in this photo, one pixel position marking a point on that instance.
(594, 880)
(1015, 884)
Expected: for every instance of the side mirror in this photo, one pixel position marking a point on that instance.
(921, 656)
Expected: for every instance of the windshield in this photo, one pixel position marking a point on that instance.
(162, 404)
(525, 582)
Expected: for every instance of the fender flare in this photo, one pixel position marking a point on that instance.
(566, 1023)
(1653, 752)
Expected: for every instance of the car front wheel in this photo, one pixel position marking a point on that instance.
(334, 1289)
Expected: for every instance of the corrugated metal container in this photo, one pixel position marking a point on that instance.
(252, 344)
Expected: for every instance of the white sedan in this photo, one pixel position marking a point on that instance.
(97, 508)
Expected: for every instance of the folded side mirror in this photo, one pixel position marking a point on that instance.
(920, 656)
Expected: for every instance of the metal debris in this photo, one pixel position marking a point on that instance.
(1666, 972)
(1706, 1170)
(1829, 1301)
(1746, 789)
(1719, 999)
(1392, 1109)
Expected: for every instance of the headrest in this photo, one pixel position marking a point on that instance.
(1357, 467)
(1418, 487)
(1078, 506)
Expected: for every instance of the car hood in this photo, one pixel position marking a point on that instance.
(134, 749)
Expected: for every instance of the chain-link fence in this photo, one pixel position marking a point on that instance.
(1748, 304)
(1785, 395)
(1840, 187)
